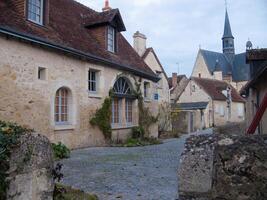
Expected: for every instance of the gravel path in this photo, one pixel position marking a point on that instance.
(139, 173)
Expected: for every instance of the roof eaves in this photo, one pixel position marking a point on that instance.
(74, 52)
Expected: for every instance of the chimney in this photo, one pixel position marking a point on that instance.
(174, 80)
(139, 43)
(106, 7)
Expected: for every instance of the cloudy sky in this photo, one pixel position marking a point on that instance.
(177, 28)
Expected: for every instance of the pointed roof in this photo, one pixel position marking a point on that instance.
(227, 27)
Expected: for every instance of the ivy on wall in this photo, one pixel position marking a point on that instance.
(102, 118)
(9, 135)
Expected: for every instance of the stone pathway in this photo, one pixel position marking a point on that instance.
(139, 173)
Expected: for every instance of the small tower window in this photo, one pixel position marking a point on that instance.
(111, 39)
(41, 73)
(35, 11)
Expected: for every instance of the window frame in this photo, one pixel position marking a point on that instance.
(42, 11)
(129, 111)
(90, 81)
(58, 120)
(111, 47)
(146, 89)
(116, 116)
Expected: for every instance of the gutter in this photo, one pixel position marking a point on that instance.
(75, 52)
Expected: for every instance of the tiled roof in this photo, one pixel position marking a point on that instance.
(239, 69)
(214, 89)
(190, 106)
(179, 78)
(66, 28)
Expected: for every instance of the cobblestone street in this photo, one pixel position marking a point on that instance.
(140, 173)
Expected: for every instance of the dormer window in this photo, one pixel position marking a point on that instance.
(111, 39)
(35, 10)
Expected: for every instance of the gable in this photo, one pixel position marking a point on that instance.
(190, 95)
(200, 67)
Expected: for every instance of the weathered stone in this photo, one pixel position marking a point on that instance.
(236, 170)
(31, 165)
(195, 172)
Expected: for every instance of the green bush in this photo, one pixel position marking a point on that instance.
(60, 151)
(138, 132)
(9, 135)
(102, 118)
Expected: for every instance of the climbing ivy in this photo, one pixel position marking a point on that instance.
(102, 118)
(9, 135)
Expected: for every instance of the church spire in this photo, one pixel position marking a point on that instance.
(228, 40)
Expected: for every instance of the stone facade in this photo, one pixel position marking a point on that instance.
(30, 173)
(216, 113)
(23, 94)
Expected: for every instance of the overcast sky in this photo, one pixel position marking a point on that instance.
(176, 28)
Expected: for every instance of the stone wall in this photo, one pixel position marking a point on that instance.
(30, 173)
(224, 166)
(23, 94)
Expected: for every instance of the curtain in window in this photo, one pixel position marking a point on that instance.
(61, 106)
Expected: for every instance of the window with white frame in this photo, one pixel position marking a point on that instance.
(116, 110)
(240, 110)
(146, 89)
(35, 10)
(41, 73)
(129, 111)
(111, 39)
(62, 106)
(222, 110)
(93, 80)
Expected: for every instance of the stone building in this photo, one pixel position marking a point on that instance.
(255, 91)
(162, 87)
(177, 84)
(151, 59)
(206, 103)
(227, 66)
(59, 60)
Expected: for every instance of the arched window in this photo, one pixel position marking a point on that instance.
(62, 106)
(122, 86)
(122, 101)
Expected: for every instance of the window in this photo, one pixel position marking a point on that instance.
(41, 73)
(221, 110)
(199, 75)
(240, 110)
(122, 87)
(35, 11)
(193, 88)
(116, 111)
(61, 106)
(129, 111)
(92, 80)
(111, 39)
(146, 89)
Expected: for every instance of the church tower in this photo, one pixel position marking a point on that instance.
(228, 40)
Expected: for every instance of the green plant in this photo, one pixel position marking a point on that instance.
(63, 192)
(102, 118)
(9, 135)
(138, 132)
(60, 151)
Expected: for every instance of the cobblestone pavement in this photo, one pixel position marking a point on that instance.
(139, 173)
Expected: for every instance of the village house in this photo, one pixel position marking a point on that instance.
(177, 84)
(59, 60)
(210, 97)
(208, 102)
(256, 91)
(227, 66)
(162, 86)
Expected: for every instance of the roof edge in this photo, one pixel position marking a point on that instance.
(75, 52)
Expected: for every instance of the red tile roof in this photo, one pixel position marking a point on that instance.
(214, 89)
(65, 27)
